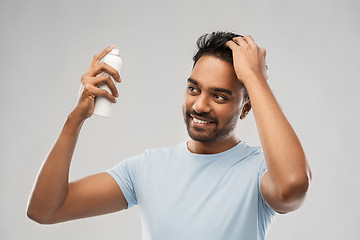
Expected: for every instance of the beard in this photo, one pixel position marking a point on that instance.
(209, 134)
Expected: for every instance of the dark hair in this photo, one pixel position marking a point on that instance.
(214, 44)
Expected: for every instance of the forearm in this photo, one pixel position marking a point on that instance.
(52, 182)
(283, 152)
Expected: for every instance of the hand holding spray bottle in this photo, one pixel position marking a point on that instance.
(103, 106)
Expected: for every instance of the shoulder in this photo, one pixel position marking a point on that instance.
(167, 150)
(156, 154)
(253, 154)
(160, 154)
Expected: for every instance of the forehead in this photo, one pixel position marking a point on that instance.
(212, 72)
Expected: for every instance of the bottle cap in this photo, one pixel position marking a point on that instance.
(115, 52)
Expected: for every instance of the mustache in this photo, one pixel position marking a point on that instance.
(201, 115)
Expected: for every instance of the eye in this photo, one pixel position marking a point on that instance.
(220, 98)
(192, 90)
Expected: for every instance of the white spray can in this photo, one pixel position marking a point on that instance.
(103, 106)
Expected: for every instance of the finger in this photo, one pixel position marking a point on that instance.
(100, 55)
(232, 45)
(262, 51)
(103, 67)
(102, 92)
(105, 79)
(239, 41)
(249, 40)
(262, 55)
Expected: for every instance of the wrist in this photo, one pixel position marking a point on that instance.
(254, 79)
(76, 118)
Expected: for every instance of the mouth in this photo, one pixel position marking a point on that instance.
(201, 122)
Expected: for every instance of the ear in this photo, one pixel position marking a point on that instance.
(246, 109)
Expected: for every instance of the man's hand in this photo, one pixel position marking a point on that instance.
(287, 180)
(249, 59)
(54, 199)
(90, 82)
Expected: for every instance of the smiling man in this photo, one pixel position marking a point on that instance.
(213, 102)
(213, 186)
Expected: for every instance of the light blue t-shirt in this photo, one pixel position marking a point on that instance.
(182, 195)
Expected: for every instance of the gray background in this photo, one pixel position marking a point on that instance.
(45, 46)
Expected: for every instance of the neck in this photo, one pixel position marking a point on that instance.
(212, 147)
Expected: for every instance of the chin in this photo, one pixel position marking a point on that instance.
(203, 137)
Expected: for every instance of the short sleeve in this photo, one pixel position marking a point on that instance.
(124, 173)
(266, 213)
(262, 171)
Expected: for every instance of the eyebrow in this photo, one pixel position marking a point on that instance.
(214, 89)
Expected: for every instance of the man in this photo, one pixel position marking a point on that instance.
(213, 186)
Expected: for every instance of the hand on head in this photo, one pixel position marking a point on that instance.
(249, 58)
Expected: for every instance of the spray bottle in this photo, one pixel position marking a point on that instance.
(103, 106)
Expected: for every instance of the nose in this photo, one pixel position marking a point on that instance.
(201, 104)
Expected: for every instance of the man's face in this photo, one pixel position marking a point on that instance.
(213, 100)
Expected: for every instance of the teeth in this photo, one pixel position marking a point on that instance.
(199, 121)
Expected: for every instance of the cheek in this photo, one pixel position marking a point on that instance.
(228, 113)
(185, 105)
(187, 102)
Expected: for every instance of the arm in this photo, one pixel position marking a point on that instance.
(286, 182)
(54, 199)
